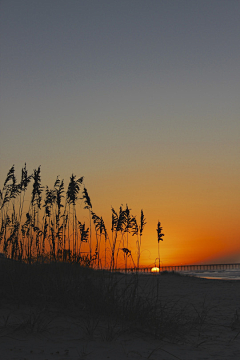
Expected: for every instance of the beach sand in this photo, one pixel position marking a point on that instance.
(27, 332)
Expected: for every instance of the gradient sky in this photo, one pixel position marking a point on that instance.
(142, 98)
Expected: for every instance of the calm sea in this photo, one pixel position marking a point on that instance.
(229, 274)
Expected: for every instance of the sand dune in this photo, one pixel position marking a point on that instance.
(30, 332)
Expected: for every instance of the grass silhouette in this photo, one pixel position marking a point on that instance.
(40, 223)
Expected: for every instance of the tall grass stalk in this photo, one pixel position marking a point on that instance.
(88, 206)
(142, 225)
(159, 238)
(40, 223)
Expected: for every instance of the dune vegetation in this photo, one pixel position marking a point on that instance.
(55, 266)
(39, 223)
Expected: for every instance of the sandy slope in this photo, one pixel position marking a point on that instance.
(30, 333)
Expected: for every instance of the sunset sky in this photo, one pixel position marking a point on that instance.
(142, 98)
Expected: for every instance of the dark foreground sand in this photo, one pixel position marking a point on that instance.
(214, 304)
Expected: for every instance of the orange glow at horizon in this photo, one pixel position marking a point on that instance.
(199, 214)
(194, 233)
(181, 245)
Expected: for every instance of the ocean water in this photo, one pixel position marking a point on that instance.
(228, 274)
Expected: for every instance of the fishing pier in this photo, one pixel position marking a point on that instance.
(201, 267)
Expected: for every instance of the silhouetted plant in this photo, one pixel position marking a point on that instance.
(128, 253)
(114, 237)
(73, 189)
(130, 223)
(100, 230)
(72, 197)
(59, 190)
(88, 206)
(83, 232)
(37, 188)
(84, 236)
(10, 225)
(50, 228)
(118, 222)
(10, 189)
(159, 237)
(139, 241)
(25, 180)
(103, 230)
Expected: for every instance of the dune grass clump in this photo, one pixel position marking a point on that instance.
(93, 297)
(42, 224)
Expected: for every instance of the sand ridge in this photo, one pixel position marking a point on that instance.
(48, 333)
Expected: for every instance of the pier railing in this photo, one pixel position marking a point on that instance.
(206, 267)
